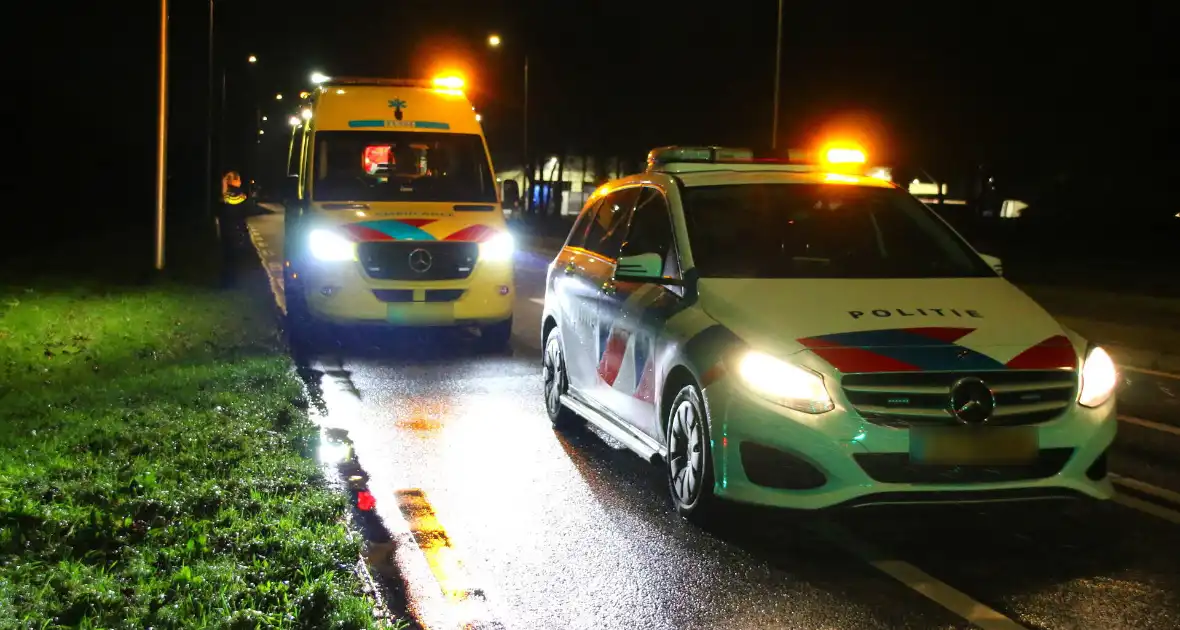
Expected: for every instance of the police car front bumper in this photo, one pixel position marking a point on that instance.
(770, 455)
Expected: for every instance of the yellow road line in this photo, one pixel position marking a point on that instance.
(1148, 424)
(432, 539)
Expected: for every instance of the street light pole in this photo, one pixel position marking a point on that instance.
(208, 185)
(778, 60)
(524, 142)
(162, 137)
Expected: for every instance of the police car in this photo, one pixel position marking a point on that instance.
(796, 333)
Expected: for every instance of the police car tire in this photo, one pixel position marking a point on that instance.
(496, 336)
(703, 505)
(562, 417)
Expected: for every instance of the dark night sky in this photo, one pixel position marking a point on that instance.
(1032, 87)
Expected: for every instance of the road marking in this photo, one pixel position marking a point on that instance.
(435, 544)
(1148, 507)
(540, 301)
(274, 275)
(1146, 488)
(1151, 372)
(921, 582)
(1166, 428)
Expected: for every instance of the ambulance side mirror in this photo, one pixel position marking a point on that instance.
(290, 190)
(994, 263)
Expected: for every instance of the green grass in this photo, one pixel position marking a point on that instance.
(155, 468)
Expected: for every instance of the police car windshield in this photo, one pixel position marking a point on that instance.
(821, 231)
(401, 166)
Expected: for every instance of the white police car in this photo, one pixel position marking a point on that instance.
(797, 334)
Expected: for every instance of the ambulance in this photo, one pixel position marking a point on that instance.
(795, 333)
(394, 215)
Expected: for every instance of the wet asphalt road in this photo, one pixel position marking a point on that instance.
(568, 530)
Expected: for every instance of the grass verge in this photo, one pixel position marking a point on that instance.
(155, 468)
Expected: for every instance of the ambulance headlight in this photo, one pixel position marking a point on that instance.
(327, 245)
(782, 383)
(1099, 377)
(497, 248)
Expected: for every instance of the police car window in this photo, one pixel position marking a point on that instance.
(401, 166)
(577, 236)
(821, 231)
(606, 230)
(651, 231)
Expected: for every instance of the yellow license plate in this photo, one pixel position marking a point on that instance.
(966, 446)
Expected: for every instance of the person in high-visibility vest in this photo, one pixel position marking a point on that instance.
(229, 224)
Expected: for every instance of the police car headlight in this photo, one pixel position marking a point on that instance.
(1099, 377)
(497, 248)
(788, 385)
(329, 246)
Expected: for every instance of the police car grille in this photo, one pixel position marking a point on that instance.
(904, 399)
(391, 261)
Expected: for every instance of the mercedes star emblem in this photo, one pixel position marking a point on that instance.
(420, 260)
(972, 401)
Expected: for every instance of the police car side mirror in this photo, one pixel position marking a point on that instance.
(994, 263)
(643, 268)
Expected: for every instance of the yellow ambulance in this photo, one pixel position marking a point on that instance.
(395, 217)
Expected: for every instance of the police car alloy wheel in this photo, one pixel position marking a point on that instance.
(556, 383)
(689, 461)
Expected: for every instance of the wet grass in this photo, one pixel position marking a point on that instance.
(155, 469)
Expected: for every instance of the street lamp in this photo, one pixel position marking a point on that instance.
(264, 119)
(494, 40)
(252, 59)
(278, 97)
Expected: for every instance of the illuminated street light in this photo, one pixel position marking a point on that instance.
(252, 59)
(494, 40)
(304, 94)
(278, 97)
(319, 77)
(260, 132)
(306, 114)
(264, 119)
(293, 121)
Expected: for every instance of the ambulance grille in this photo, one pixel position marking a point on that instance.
(384, 260)
(904, 399)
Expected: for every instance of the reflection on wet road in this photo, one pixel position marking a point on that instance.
(568, 530)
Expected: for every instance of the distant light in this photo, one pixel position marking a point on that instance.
(478, 118)
(293, 121)
(252, 59)
(319, 77)
(306, 114)
(449, 82)
(260, 132)
(494, 40)
(278, 97)
(264, 119)
(304, 94)
(881, 173)
(340, 90)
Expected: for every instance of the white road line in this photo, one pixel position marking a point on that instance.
(921, 582)
(1148, 424)
(1147, 488)
(1148, 508)
(540, 301)
(1151, 372)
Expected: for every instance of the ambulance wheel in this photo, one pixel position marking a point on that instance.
(556, 382)
(496, 336)
(689, 462)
